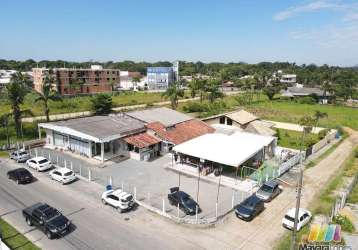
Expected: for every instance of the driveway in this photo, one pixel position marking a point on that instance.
(152, 180)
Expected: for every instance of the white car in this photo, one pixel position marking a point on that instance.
(304, 216)
(63, 175)
(118, 199)
(39, 163)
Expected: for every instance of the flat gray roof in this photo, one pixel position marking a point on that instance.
(166, 116)
(98, 128)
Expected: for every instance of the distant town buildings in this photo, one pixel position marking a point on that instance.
(5, 76)
(162, 77)
(128, 80)
(70, 81)
(288, 78)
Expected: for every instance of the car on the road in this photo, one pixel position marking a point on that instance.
(269, 190)
(186, 203)
(62, 175)
(47, 219)
(118, 199)
(39, 163)
(20, 175)
(249, 208)
(304, 216)
(20, 155)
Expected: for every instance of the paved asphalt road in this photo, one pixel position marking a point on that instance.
(96, 226)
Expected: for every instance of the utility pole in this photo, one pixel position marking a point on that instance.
(306, 129)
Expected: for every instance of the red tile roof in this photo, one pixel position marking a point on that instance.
(141, 140)
(181, 132)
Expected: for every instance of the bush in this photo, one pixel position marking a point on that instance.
(322, 133)
(306, 100)
(344, 222)
(191, 107)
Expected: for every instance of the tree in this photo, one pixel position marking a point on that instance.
(173, 93)
(135, 81)
(101, 104)
(270, 91)
(213, 90)
(16, 91)
(319, 115)
(47, 94)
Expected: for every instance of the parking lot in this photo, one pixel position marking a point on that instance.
(151, 182)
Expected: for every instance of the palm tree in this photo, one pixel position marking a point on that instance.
(16, 91)
(46, 95)
(173, 93)
(319, 115)
(135, 81)
(213, 90)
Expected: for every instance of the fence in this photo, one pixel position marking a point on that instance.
(152, 199)
(342, 197)
(326, 140)
(25, 144)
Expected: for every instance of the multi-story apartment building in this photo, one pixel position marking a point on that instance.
(78, 81)
(162, 77)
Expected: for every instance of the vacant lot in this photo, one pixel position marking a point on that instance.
(82, 103)
(287, 111)
(292, 139)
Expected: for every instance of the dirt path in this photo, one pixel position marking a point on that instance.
(264, 232)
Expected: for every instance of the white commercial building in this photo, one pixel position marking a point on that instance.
(288, 78)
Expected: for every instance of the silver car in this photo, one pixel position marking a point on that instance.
(269, 190)
(20, 155)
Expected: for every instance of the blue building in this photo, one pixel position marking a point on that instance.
(162, 77)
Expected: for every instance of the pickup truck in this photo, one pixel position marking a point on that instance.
(47, 219)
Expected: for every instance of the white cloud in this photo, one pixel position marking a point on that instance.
(349, 11)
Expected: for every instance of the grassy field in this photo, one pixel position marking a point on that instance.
(287, 111)
(14, 239)
(292, 139)
(82, 103)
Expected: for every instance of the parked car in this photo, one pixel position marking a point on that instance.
(39, 163)
(304, 216)
(62, 175)
(249, 208)
(186, 203)
(118, 199)
(20, 155)
(269, 190)
(20, 175)
(47, 219)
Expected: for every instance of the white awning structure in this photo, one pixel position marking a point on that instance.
(232, 150)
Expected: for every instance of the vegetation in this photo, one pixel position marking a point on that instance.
(14, 239)
(174, 93)
(292, 139)
(323, 204)
(16, 91)
(101, 104)
(46, 95)
(345, 223)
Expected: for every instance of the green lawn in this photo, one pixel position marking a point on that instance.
(82, 103)
(292, 139)
(14, 239)
(289, 111)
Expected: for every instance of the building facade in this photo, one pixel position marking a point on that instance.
(127, 80)
(78, 81)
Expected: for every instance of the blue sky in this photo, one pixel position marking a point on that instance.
(308, 31)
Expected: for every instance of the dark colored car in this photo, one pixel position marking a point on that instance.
(47, 219)
(269, 190)
(20, 175)
(186, 203)
(249, 208)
